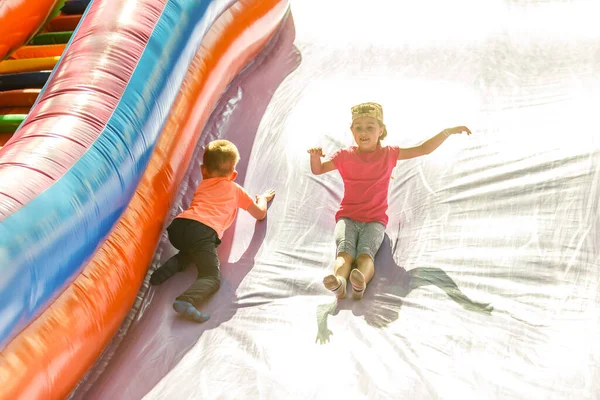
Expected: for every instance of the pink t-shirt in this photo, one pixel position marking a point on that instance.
(366, 179)
(215, 203)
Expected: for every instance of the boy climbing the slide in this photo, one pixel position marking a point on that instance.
(197, 231)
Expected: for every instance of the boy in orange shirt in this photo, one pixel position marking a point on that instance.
(197, 231)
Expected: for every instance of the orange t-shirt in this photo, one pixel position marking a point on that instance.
(215, 203)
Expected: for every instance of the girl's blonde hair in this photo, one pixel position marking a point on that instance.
(220, 157)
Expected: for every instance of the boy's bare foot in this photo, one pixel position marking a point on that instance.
(357, 279)
(336, 284)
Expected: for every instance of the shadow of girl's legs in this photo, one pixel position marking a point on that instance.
(435, 276)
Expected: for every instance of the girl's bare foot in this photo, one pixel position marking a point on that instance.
(336, 284)
(357, 279)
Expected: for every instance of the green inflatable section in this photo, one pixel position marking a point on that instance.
(52, 38)
(9, 123)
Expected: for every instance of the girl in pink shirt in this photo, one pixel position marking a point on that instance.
(366, 170)
(197, 231)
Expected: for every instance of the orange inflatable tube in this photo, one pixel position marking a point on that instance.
(14, 110)
(63, 22)
(19, 98)
(19, 21)
(4, 138)
(49, 357)
(50, 50)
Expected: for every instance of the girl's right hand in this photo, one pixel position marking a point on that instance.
(316, 151)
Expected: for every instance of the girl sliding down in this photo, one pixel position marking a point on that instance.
(366, 169)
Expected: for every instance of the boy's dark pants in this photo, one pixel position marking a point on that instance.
(197, 244)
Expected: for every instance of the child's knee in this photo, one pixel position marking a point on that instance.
(344, 257)
(364, 259)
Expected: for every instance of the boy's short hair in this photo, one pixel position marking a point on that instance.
(220, 157)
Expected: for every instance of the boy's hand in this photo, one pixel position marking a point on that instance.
(458, 130)
(268, 195)
(316, 151)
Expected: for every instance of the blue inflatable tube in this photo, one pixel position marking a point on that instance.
(74, 7)
(24, 80)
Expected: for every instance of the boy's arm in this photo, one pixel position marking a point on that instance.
(431, 144)
(258, 209)
(317, 166)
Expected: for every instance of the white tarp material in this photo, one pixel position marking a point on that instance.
(506, 218)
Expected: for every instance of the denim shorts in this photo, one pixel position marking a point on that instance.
(356, 238)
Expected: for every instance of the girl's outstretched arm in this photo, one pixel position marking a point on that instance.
(431, 144)
(317, 166)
